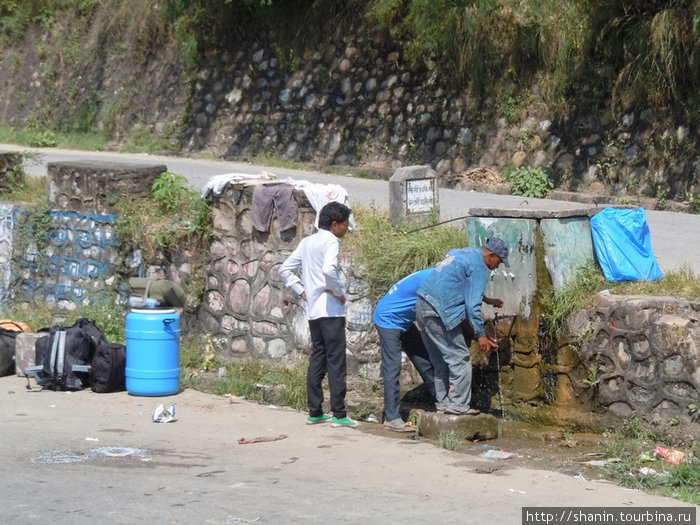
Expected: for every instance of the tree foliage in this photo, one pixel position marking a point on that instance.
(643, 53)
(637, 52)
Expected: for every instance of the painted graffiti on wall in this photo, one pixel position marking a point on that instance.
(81, 255)
(6, 241)
(83, 230)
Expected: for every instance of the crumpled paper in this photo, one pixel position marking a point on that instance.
(164, 415)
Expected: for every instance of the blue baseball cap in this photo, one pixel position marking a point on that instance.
(499, 247)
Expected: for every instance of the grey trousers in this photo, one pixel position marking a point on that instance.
(449, 354)
(393, 341)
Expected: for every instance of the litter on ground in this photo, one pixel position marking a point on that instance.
(670, 455)
(163, 415)
(497, 454)
(261, 439)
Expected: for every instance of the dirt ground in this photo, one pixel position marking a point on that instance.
(193, 469)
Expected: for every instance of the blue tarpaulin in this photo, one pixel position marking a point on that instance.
(622, 245)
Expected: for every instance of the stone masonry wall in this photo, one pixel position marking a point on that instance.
(361, 103)
(95, 186)
(80, 253)
(640, 354)
(246, 307)
(356, 101)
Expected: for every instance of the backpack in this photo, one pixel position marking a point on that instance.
(65, 355)
(166, 292)
(7, 351)
(108, 370)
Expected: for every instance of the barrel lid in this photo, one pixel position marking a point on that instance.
(158, 310)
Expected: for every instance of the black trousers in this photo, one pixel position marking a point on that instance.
(327, 356)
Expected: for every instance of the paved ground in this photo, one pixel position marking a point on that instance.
(74, 458)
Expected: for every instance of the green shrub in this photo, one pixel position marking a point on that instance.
(387, 254)
(260, 380)
(43, 139)
(100, 306)
(174, 216)
(695, 205)
(170, 192)
(529, 182)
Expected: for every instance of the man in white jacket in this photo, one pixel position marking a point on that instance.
(321, 288)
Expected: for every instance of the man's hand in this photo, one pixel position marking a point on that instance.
(487, 343)
(342, 299)
(496, 303)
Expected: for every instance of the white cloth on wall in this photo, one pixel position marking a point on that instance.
(321, 194)
(217, 183)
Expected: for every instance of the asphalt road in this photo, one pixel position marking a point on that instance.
(675, 237)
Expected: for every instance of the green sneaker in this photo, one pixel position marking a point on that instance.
(344, 422)
(315, 420)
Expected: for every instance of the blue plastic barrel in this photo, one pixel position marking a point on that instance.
(152, 352)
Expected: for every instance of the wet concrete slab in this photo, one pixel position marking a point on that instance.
(432, 424)
(538, 211)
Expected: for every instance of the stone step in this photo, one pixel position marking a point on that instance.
(432, 424)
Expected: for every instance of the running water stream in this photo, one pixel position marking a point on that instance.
(498, 359)
(500, 385)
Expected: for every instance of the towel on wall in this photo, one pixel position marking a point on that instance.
(217, 183)
(321, 194)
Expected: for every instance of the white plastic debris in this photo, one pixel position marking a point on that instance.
(497, 454)
(163, 415)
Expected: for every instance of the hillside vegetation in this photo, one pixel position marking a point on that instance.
(566, 59)
(635, 52)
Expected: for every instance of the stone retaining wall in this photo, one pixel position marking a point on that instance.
(246, 307)
(352, 106)
(357, 101)
(639, 355)
(79, 252)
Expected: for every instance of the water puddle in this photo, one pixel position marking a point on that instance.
(524, 445)
(56, 457)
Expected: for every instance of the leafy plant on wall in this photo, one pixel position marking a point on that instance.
(529, 182)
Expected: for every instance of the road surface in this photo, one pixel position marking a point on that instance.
(675, 237)
(86, 458)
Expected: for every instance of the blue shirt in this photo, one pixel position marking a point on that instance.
(456, 288)
(397, 309)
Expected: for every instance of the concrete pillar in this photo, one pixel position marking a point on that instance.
(413, 195)
(91, 185)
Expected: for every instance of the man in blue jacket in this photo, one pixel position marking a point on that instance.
(393, 318)
(451, 294)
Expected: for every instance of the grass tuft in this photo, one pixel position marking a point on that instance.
(260, 380)
(633, 444)
(581, 292)
(387, 254)
(450, 439)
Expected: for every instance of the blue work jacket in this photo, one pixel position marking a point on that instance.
(456, 288)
